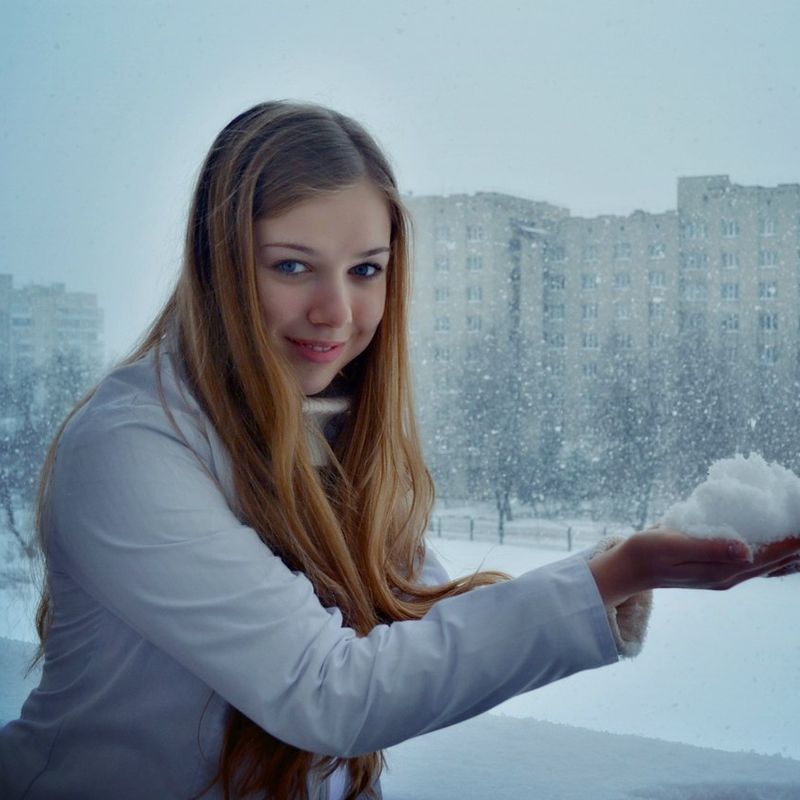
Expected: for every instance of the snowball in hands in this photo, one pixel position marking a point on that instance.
(743, 498)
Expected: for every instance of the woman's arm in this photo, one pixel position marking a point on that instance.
(141, 525)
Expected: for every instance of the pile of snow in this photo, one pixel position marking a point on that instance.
(743, 498)
(702, 650)
(501, 757)
(561, 742)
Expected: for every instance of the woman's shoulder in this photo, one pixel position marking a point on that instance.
(148, 393)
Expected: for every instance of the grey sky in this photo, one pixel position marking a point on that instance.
(597, 106)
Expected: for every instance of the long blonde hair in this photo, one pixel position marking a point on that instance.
(356, 527)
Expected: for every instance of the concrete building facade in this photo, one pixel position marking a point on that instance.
(468, 290)
(556, 294)
(38, 321)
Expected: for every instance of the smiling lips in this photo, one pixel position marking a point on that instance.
(317, 352)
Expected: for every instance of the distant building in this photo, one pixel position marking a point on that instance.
(467, 261)
(557, 294)
(738, 267)
(38, 321)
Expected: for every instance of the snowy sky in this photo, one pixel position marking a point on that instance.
(598, 106)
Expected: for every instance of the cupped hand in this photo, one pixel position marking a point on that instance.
(662, 558)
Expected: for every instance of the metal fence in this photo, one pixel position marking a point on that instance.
(531, 532)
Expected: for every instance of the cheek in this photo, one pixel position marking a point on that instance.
(372, 310)
(275, 307)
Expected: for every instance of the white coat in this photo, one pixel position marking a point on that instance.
(167, 610)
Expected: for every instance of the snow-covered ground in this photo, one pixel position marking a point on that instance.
(719, 670)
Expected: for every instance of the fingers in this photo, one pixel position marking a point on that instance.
(766, 564)
(669, 558)
(691, 550)
(777, 550)
(790, 569)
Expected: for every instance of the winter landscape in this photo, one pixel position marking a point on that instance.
(708, 711)
(606, 206)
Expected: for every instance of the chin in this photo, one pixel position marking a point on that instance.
(310, 388)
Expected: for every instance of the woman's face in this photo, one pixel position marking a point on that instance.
(322, 279)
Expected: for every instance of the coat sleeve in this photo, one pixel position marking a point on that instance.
(142, 525)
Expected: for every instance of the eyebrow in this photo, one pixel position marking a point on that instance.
(312, 252)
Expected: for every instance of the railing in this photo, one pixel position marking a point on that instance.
(530, 532)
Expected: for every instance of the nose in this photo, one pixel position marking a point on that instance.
(330, 304)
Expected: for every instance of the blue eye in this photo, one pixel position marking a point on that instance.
(366, 270)
(290, 267)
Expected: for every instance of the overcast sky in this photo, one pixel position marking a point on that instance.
(109, 107)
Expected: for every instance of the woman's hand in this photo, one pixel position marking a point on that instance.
(661, 558)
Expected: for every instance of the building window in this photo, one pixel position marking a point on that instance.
(474, 324)
(474, 233)
(767, 290)
(441, 233)
(441, 294)
(589, 370)
(556, 280)
(693, 291)
(729, 291)
(657, 250)
(695, 229)
(590, 280)
(556, 253)
(729, 228)
(622, 251)
(767, 258)
(622, 311)
(554, 311)
(442, 263)
(730, 260)
(655, 310)
(691, 321)
(768, 354)
(766, 226)
(474, 294)
(473, 355)
(554, 339)
(657, 339)
(474, 263)
(768, 322)
(623, 341)
(729, 323)
(441, 354)
(590, 252)
(730, 352)
(441, 324)
(589, 311)
(589, 341)
(694, 259)
(622, 280)
(657, 278)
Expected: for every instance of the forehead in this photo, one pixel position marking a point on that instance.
(356, 213)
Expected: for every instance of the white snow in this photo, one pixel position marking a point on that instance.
(744, 498)
(499, 757)
(718, 670)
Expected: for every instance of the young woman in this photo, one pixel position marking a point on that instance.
(239, 601)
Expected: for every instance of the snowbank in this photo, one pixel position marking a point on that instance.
(501, 757)
(718, 670)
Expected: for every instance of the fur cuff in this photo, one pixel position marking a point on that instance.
(628, 620)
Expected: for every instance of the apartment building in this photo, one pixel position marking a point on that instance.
(555, 295)
(739, 266)
(468, 290)
(37, 321)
